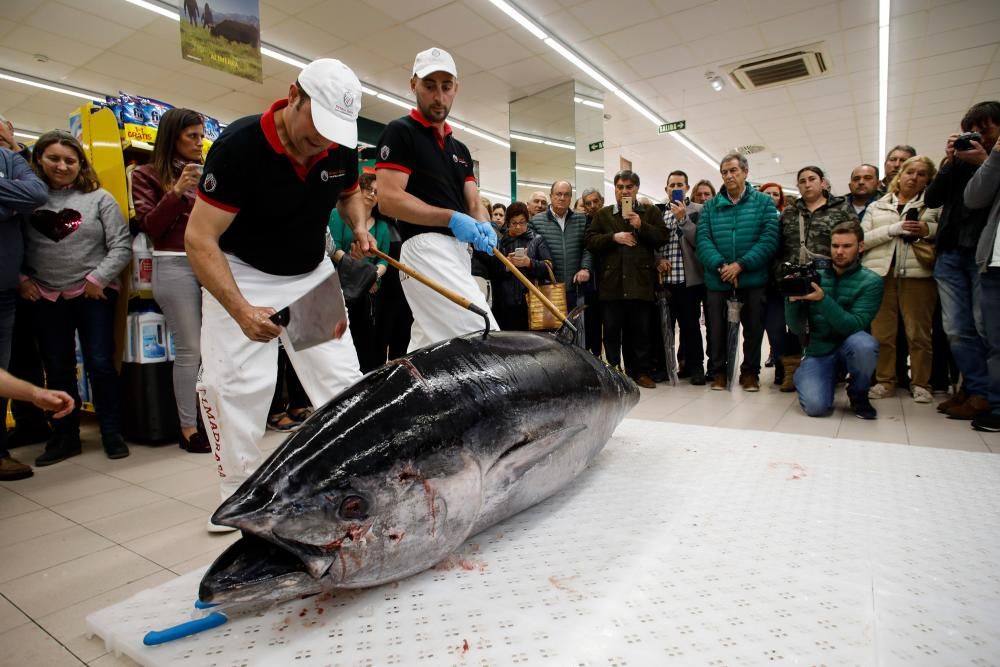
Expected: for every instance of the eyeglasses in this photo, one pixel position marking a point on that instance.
(372, 191)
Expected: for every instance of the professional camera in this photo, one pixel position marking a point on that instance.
(796, 279)
(963, 142)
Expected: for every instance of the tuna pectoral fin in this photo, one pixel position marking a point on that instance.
(524, 455)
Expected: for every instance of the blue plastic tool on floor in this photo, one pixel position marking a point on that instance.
(212, 620)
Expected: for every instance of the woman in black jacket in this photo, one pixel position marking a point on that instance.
(528, 253)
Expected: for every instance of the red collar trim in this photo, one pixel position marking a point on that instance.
(419, 117)
(270, 128)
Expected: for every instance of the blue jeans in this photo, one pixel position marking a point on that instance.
(817, 376)
(989, 302)
(958, 281)
(55, 323)
(8, 303)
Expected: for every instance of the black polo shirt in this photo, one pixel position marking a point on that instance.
(438, 165)
(282, 207)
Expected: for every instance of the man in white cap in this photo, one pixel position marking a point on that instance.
(425, 180)
(256, 239)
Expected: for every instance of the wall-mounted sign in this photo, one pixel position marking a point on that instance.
(596, 146)
(672, 127)
(223, 35)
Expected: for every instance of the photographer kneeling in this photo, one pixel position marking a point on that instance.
(835, 318)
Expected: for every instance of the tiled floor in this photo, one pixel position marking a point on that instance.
(89, 532)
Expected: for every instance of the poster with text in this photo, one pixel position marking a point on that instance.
(223, 35)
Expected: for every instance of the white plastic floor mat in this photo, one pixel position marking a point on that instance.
(680, 545)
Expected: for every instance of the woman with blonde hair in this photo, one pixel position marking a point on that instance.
(898, 230)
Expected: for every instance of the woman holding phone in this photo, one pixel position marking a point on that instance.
(892, 226)
(527, 252)
(163, 192)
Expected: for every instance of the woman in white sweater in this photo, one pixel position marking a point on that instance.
(75, 245)
(893, 226)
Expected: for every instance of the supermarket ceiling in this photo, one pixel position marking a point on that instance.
(944, 56)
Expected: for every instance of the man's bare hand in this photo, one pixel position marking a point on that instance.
(663, 266)
(816, 295)
(626, 238)
(729, 272)
(257, 325)
(633, 219)
(679, 210)
(52, 400)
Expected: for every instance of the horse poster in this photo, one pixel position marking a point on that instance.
(224, 35)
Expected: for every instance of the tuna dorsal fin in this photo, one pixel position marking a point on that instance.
(522, 455)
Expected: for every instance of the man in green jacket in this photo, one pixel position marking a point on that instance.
(737, 237)
(836, 316)
(624, 241)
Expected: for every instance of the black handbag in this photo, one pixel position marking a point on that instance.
(356, 277)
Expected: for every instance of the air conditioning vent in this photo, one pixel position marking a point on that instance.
(786, 67)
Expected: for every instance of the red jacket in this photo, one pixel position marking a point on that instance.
(162, 215)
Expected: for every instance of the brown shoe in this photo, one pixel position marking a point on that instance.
(719, 382)
(645, 382)
(749, 382)
(972, 408)
(790, 363)
(957, 399)
(11, 469)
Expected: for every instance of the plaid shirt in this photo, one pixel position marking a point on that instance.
(671, 251)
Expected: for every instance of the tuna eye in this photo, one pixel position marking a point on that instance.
(353, 507)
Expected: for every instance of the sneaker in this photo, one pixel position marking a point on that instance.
(988, 422)
(749, 382)
(58, 449)
(196, 444)
(880, 391)
(645, 382)
(719, 382)
(11, 469)
(216, 528)
(697, 377)
(972, 408)
(115, 447)
(921, 394)
(862, 407)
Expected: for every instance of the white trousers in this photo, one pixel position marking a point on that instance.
(238, 375)
(446, 260)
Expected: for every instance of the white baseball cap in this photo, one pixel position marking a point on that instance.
(336, 99)
(434, 60)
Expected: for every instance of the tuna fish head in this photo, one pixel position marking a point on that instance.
(363, 529)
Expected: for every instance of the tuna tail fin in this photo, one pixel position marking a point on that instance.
(567, 335)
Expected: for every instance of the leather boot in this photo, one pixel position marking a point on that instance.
(790, 364)
(972, 408)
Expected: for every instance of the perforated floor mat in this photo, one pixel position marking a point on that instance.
(680, 545)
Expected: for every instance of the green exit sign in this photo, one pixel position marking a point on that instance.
(596, 146)
(672, 127)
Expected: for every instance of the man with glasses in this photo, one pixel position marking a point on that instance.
(426, 182)
(563, 230)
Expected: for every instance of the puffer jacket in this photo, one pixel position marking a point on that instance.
(745, 232)
(881, 250)
(849, 304)
(817, 225)
(568, 246)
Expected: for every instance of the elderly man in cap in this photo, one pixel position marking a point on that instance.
(256, 239)
(425, 180)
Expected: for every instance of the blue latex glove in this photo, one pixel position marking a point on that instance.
(464, 227)
(487, 239)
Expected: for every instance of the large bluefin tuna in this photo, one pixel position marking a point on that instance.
(391, 476)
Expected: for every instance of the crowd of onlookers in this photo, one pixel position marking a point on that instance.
(895, 284)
